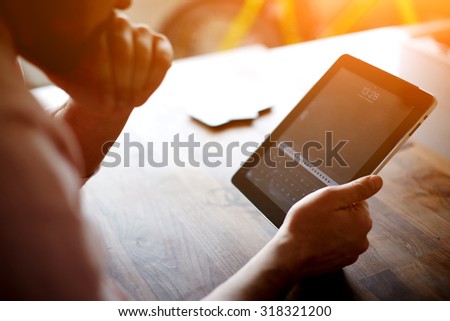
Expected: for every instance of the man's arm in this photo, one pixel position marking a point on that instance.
(46, 248)
(324, 232)
(46, 251)
(119, 72)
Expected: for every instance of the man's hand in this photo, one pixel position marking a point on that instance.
(123, 67)
(120, 70)
(325, 231)
(328, 229)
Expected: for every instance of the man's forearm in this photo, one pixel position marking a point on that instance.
(93, 131)
(262, 278)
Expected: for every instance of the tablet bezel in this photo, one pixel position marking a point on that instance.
(421, 101)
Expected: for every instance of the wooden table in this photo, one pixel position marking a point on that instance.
(176, 233)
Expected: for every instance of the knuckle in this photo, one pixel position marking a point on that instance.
(164, 55)
(366, 222)
(329, 193)
(121, 19)
(369, 223)
(121, 23)
(364, 246)
(142, 29)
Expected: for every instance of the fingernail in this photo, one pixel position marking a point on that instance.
(375, 182)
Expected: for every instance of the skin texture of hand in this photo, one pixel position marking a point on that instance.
(325, 231)
(119, 72)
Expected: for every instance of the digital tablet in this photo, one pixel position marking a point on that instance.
(347, 126)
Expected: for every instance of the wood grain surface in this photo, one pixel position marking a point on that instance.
(175, 233)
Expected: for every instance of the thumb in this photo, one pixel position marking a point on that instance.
(359, 190)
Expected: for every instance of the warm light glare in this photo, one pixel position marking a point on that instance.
(204, 26)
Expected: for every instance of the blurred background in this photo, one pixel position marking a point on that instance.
(202, 26)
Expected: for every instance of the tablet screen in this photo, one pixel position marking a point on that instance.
(343, 126)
